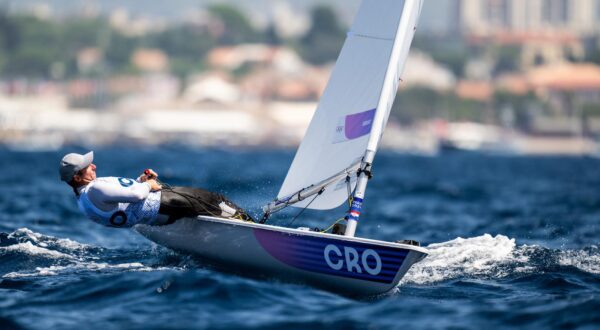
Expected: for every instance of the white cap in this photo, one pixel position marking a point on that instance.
(73, 163)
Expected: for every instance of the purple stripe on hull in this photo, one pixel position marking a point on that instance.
(323, 255)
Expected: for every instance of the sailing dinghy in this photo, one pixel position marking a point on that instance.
(334, 158)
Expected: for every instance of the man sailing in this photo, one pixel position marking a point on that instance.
(125, 202)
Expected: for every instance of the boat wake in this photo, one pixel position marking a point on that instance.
(24, 253)
(497, 256)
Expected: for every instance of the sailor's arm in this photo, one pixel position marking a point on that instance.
(154, 185)
(116, 192)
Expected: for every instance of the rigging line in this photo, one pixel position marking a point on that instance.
(273, 212)
(205, 207)
(267, 215)
(349, 204)
(333, 224)
(310, 190)
(163, 184)
(287, 203)
(201, 203)
(307, 205)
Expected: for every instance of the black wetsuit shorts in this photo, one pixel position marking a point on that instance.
(180, 202)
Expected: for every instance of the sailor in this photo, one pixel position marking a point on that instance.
(125, 202)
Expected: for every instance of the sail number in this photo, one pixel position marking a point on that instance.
(352, 259)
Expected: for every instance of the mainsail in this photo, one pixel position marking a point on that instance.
(355, 106)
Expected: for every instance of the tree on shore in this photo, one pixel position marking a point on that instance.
(324, 39)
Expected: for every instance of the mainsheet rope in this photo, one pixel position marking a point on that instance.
(349, 189)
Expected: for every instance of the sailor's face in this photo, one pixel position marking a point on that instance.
(88, 174)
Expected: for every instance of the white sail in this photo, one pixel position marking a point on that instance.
(356, 103)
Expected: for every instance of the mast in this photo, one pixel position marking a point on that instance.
(402, 41)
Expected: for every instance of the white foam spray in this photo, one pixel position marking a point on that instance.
(74, 257)
(462, 256)
(33, 250)
(587, 260)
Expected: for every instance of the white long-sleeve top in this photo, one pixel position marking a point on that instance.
(119, 202)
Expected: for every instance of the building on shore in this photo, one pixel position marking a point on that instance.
(579, 17)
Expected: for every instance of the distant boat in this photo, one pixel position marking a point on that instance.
(332, 166)
(476, 137)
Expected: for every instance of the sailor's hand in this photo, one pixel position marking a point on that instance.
(147, 175)
(154, 186)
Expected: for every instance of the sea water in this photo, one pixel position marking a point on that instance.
(513, 243)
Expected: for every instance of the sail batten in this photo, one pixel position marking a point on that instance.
(353, 107)
(372, 37)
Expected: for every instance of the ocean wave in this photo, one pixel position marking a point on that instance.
(484, 256)
(587, 260)
(33, 250)
(51, 256)
(497, 256)
(45, 241)
(79, 267)
(460, 257)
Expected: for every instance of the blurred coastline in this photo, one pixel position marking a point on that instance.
(504, 77)
(43, 125)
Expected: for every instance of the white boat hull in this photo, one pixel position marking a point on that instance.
(346, 265)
